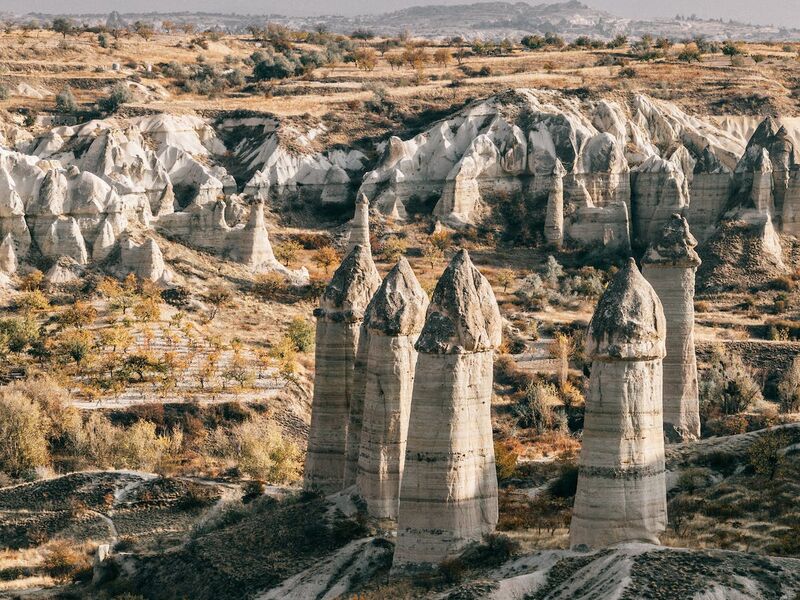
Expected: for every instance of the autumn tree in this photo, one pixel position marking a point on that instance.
(442, 57)
(325, 257)
(218, 297)
(561, 348)
(287, 252)
(505, 278)
(366, 59)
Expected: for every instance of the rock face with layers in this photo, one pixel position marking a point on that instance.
(143, 260)
(448, 493)
(339, 319)
(8, 259)
(621, 494)
(378, 428)
(359, 226)
(670, 264)
(554, 219)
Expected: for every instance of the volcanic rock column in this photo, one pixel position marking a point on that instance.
(621, 493)
(339, 318)
(359, 226)
(669, 265)
(394, 320)
(448, 492)
(554, 218)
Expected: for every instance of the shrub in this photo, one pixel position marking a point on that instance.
(64, 562)
(23, 434)
(505, 459)
(301, 332)
(120, 94)
(392, 249)
(270, 286)
(729, 387)
(627, 72)
(534, 409)
(765, 454)
(566, 484)
(789, 388)
(287, 252)
(65, 101)
(4, 92)
(260, 450)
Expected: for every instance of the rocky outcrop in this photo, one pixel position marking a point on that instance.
(382, 399)
(339, 319)
(554, 219)
(659, 189)
(670, 264)
(144, 259)
(359, 226)
(621, 492)
(206, 226)
(448, 493)
(8, 258)
(615, 156)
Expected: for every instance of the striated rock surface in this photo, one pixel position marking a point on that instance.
(8, 256)
(143, 259)
(670, 264)
(382, 398)
(339, 319)
(359, 226)
(621, 494)
(448, 493)
(554, 219)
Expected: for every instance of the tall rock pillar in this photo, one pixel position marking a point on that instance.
(359, 226)
(554, 218)
(339, 318)
(621, 494)
(448, 492)
(393, 322)
(669, 265)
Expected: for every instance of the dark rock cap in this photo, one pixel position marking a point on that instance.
(351, 288)
(675, 247)
(463, 315)
(399, 305)
(628, 323)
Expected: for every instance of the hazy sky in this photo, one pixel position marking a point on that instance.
(783, 12)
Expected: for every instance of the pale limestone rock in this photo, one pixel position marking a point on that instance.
(359, 226)
(448, 493)
(339, 319)
(104, 242)
(621, 494)
(659, 189)
(670, 264)
(61, 236)
(382, 397)
(65, 270)
(144, 260)
(554, 218)
(8, 256)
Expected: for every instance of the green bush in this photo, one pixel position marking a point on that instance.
(120, 94)
(301, 332)
(23, 435)
(65, 101)
(534, 409)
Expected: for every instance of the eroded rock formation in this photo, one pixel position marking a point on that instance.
(359, 226)
(448, 493)
(670, 264)
(339, 319)
(379, 425)
(621, 492)
(144, 259)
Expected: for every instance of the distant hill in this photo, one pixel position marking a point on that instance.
(487, 20)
